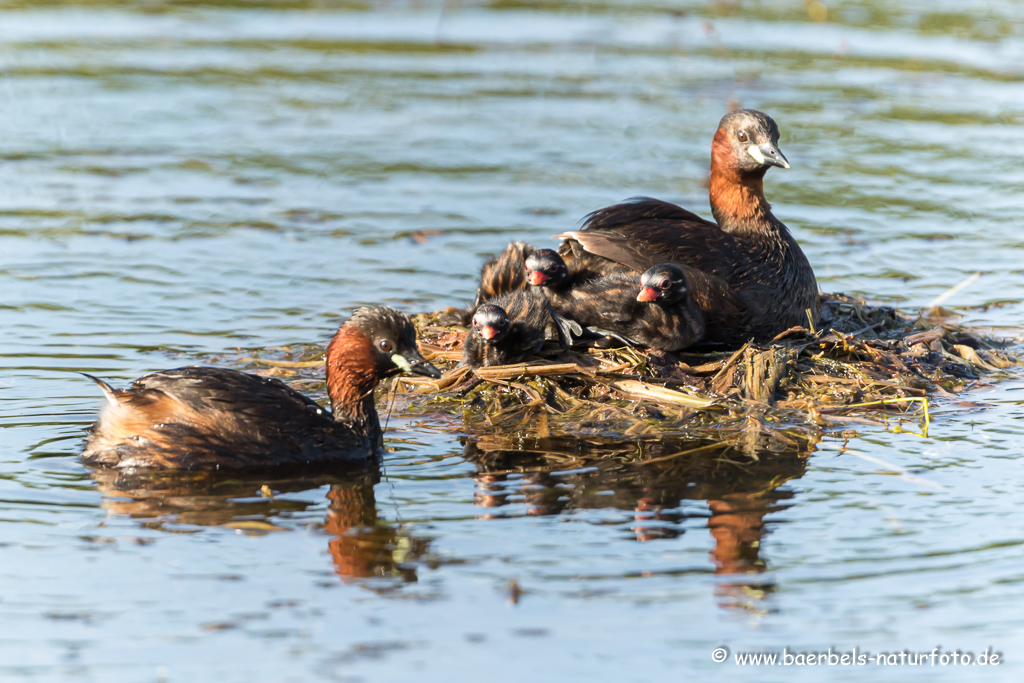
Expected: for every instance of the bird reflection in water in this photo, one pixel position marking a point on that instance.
(362, 546)
(741, 483)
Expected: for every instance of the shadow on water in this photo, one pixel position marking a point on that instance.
(362, 545)
(662, 484)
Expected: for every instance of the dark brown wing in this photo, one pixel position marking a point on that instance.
(621, 216)
(643, 232)
(607, 302)
(216, 418)
(583, 252)
(227, 390)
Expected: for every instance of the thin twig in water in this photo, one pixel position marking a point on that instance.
(903, 472)
(966, 282)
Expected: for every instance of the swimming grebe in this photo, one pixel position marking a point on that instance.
(215, 418)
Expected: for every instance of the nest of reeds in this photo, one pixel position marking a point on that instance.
(862, 365)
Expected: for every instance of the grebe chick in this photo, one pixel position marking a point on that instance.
(215, 418)
(508, 329)
(654, 309)
(545, 268)
(672, 320)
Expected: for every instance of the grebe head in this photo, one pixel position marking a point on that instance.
(392, 342)
(491, 323)
(375, 343)
(545, 268)
(752, 140)
(664, 282)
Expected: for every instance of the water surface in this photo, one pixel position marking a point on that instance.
(185, 180)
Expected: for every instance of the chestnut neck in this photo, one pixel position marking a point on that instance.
(351, 379)
(737, 196)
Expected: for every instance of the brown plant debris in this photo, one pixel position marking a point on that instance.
(862, 364)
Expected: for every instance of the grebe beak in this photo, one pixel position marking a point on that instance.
(768, 154)
(536, 278)
(488, 332)
(648, 294)
(418, 366)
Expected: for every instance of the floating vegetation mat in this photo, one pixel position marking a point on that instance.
(864, 365)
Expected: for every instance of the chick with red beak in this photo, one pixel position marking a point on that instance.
(536, 278)
(491, 322)
(545, 268)
(648, 294)
(664, 282)
(509, 329)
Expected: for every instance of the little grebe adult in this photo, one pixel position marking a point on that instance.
(754, 280)
(507, 329)
(215, 418)
(654, 309)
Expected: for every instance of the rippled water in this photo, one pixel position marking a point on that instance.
(185, 180)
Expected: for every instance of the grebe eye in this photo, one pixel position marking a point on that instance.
(665, 284)
(741, 135)
(385, 345)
